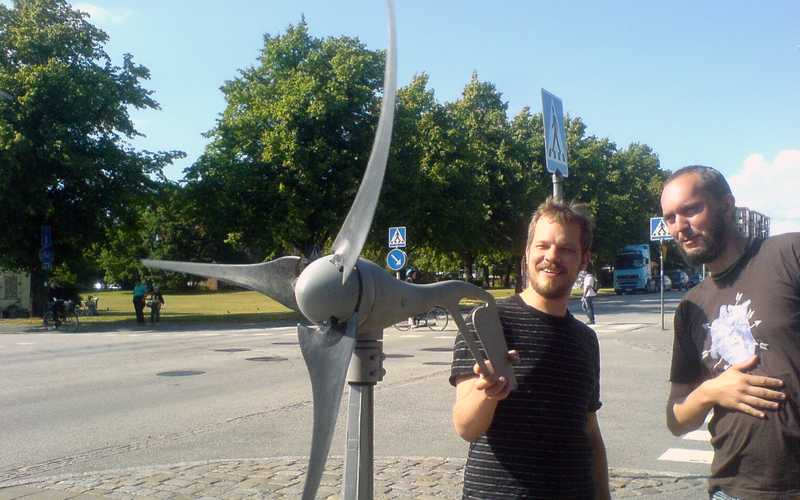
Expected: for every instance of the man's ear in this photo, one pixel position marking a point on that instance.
(729, 205)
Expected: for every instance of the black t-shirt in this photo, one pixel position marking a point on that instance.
(537, 445)
(751, 308)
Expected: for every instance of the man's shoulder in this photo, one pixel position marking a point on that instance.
(512, 302)
(780, 242)
(582, 328)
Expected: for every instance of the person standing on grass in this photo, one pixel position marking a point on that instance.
(139, 292)
(541, 440)
(155, 302)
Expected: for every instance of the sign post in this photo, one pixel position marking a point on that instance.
(46, 255)
(660, 233)
(555, 141)
(396, 258)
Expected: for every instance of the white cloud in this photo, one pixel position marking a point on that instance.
(104, 15)
(772, 188)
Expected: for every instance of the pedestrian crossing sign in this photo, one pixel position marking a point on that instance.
(555, 138)
(658, 229)
(397, 237)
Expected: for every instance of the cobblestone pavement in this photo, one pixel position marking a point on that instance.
(418, 478)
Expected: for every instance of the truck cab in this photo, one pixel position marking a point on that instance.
(633, 270)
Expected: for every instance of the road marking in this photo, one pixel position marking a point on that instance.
(684, 455)
(698, 436)
(612, 328)
(26, 343)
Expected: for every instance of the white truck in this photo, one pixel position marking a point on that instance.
(633, 270)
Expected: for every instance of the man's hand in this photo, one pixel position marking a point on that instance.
(477, 397)
(495, 388)
(746, 393)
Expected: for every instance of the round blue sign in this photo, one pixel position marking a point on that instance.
(396, 259)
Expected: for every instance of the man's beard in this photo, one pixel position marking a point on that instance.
(714, 238)
(549, 290)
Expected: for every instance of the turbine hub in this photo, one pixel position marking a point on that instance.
(321, 295)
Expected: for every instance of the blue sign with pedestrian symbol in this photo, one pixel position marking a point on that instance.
(396, 259)
(555, 137)
(658, 229)
(397, 237)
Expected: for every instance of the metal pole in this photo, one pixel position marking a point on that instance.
(366, 369)
(661, 272)
(359, 449)
(558, 187)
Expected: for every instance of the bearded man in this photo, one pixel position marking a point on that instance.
(737, 341)
(542, 440)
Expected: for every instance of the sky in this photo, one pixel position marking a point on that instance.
(714, 83)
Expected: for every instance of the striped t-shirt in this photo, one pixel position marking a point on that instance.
(537, 445)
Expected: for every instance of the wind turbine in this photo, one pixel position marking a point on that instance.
(349, 301)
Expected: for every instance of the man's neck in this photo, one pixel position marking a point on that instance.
(553, 307)
(734, 247)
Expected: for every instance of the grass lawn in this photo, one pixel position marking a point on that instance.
(234, 306)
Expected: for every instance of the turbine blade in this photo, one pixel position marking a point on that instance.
(353, 233)
(327, 354)
(275, 278)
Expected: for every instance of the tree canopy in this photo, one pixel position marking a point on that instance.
(283, 162)
(64, 159)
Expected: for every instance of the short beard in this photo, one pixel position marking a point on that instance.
(714, 243)
(552, 293)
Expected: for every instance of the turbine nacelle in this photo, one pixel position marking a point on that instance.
(321, 295)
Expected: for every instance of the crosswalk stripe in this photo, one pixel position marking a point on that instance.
(684, 455)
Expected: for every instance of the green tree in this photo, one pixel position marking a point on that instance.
(64, 159)
(286, 157)
(474, 210)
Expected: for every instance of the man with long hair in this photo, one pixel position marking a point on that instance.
(737, 341)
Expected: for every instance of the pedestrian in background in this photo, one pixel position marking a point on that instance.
(589, 293)
(155, 302)
(139, 292)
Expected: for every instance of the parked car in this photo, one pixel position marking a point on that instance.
(680, 280)
(667, 282)
(695, 279)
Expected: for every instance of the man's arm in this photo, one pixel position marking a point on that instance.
(476, 399)
(688, 404)
(599, 460)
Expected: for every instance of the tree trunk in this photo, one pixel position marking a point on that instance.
(523, 275)
(469, 262)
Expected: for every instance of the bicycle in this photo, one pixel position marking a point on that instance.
(61, 315)
(436, 320)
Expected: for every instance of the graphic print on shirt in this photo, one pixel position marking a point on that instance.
(730, 339)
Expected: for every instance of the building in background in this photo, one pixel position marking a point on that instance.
(751, 223)
(15, 294)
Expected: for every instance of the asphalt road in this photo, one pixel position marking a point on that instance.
(99, 400)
